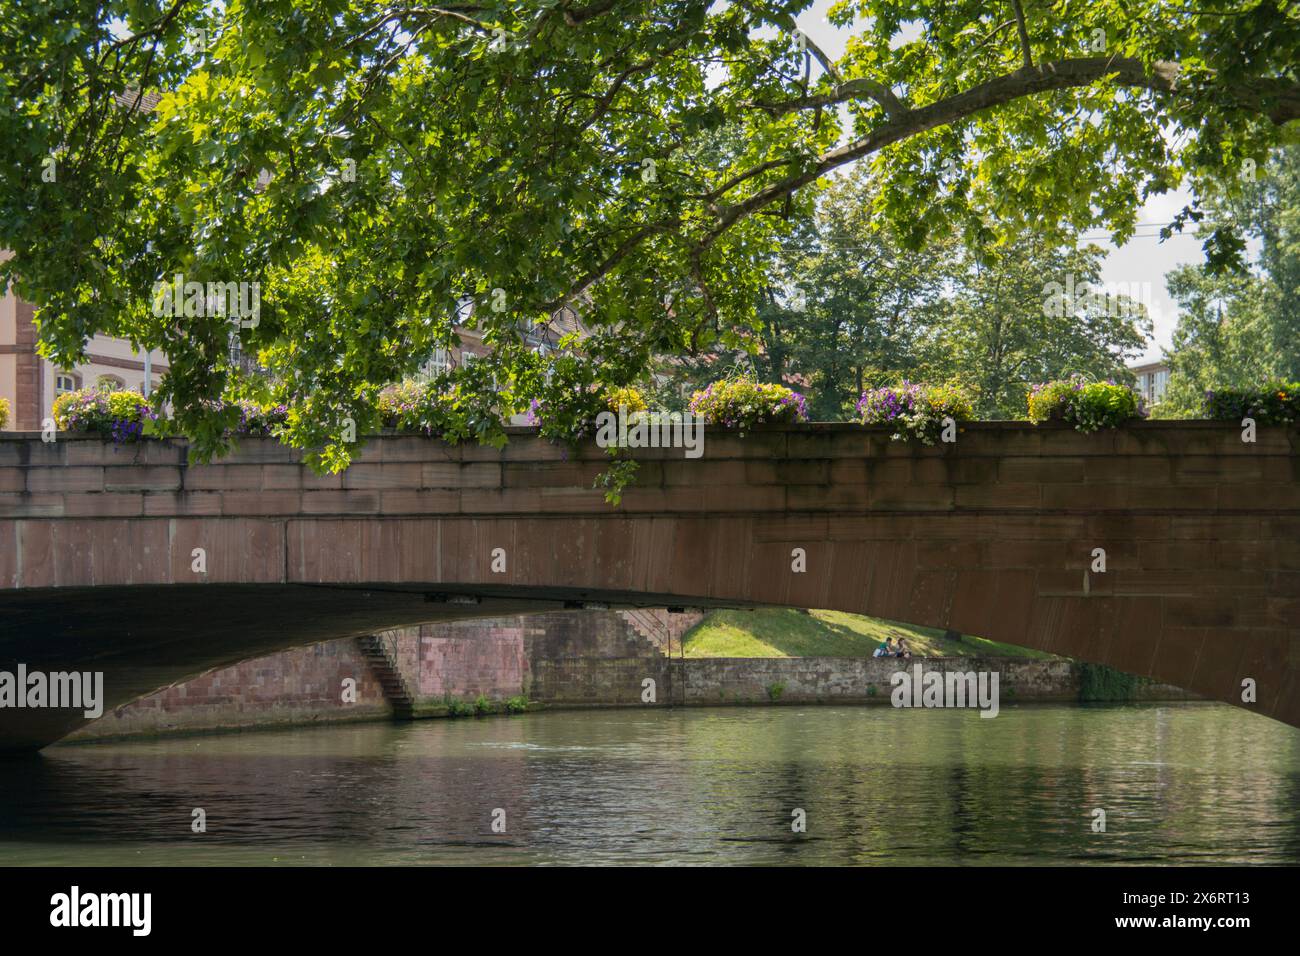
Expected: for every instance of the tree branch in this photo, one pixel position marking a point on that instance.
(1024, 34)
(574, 16)
(820, 56)
(841, 93)
(604, 102)
(748, 174)
(1064, 74)
(625, 248)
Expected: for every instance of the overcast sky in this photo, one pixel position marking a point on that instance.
(1143, 259)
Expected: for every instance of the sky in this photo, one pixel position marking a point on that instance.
(1139, 265)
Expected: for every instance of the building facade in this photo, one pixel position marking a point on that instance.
(31, 383)
(1152, 380)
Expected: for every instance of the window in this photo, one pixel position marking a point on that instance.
(65, 382)
(435, 366)
(109, 383)
(245, 362)
(1158, 389)
(566, 318)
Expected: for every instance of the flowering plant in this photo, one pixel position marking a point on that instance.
(1051, 401)
(260, 421)
(572, 414)
(914, 410)
(1088, 406)
(742, 402)
(399, 404)
(1274, 403)
(627, 397)
(4, 412)
(417, 407)
(121, 415)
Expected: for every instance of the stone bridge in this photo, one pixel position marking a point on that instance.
(127, 560)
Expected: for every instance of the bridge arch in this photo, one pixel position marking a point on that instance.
(994, 535)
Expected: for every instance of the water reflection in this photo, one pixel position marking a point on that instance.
(1179, 784)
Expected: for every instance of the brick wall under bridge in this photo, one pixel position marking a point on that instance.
(498, 658)
(503, 658)
(992, 535)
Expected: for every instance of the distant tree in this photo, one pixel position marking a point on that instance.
(850, 308)
(839, 311)
(856, 299)
(1034, 312)
(1224, 337)
(1241, 328)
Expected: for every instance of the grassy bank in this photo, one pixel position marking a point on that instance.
(789, 633)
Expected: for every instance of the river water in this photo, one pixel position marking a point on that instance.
(1179, 783)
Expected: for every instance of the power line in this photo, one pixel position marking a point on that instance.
(1138, 234)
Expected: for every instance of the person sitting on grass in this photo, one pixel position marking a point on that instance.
(886, 649)
(903, 649)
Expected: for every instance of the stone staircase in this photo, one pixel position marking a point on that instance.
(383, 665)
(664, 629)
(650, 626)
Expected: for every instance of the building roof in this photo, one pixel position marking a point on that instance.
(1160, 365)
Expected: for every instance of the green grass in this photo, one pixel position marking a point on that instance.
(781, 632)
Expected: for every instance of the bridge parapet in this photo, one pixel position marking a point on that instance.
(1008, 466)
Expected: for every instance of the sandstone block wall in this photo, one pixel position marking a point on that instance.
(501, 658)
(498, 658)
(300, 686)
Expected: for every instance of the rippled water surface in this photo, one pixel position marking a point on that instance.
(1187, 783)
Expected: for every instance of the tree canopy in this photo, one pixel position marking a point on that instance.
(369, 163)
